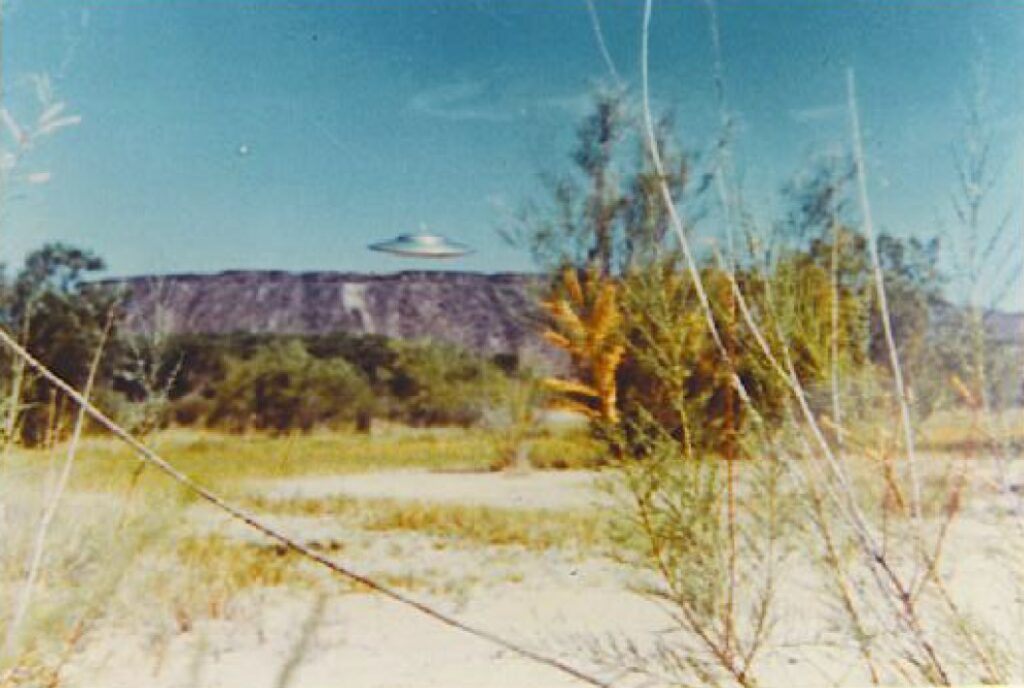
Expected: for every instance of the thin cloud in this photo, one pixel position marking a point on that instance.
(816, 114)
(463, 101)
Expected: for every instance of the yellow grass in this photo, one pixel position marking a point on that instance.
(960, 430)
(484, 525)
(221, 460)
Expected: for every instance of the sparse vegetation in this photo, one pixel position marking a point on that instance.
(221, 459)
(806, 352)
(530, 528)
(809, 452)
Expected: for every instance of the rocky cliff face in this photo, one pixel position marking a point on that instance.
(485, 313)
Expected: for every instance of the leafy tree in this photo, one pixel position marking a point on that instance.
(435, 384)
(819, 230)
(596, 214)
(811, 290)
(282, 388)
(421, 383)
(606, 222)
(914, 292)
(59, 318)
(372, 353)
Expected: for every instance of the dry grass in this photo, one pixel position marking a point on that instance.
(207, 572)
(93, 552)
(959, 431)
(137, 545)
(186, 575)
(222, 460)
(534, 529)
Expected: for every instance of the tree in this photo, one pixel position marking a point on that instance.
(436, 384)
(601, 226)
(59, 317)
(597, 214)
(819, 231)
(282, 388)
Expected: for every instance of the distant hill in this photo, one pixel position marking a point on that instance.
(1004, 328)
(485, 313)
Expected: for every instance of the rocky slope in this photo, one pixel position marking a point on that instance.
(485, 313)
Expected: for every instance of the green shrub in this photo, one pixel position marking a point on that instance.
(434, 384)
(283, 388)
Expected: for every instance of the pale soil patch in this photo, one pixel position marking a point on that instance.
(559, 601)
(362, 641)
(531, 490)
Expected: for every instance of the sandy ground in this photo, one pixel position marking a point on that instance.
(362, 640)
(562, 603)
(530, 490)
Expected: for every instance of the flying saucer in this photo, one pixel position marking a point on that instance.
(422, 246)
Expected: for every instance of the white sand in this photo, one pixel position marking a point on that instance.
(555, 601)
(530, 490)
(359, 641)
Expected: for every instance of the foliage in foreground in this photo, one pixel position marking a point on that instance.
(798, 353)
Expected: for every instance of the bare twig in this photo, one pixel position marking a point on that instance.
(883, 305)
(595, 23)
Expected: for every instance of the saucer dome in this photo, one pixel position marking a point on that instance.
(422, 246)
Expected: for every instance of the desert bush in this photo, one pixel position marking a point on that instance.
(420, 383)
(436, 384)
(585, 323)
(806, 353)
(283, 388)
(647, 341)
(513, 420)
(191, 410)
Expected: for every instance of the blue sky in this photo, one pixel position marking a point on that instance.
(363, 120)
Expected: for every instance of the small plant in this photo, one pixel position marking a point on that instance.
(585, 324)
(514, 421)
